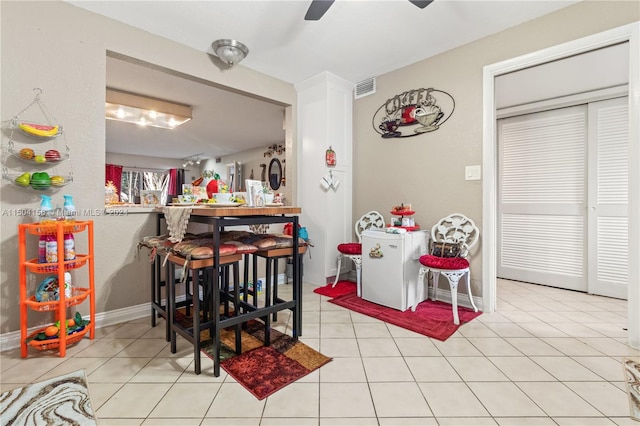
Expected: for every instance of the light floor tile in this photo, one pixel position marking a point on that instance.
(387, 369)
(369, 330)
(505, 399)
(476, 369)
(604, 396)
(118, 370)
(457, 347)
(521, 369)
(181, 395)
(494, 346)
(297, 400)
(399, 400)
(233, 400)
(378, 346)
(565, 369)
(350, 370)
(532, 346)
(339, 347)
(345, 400)
(556, 399)
(412, 346)
(432, 369)
(606, 367)
(452, 400)
(133, 400)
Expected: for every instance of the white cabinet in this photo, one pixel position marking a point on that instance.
(390, 267)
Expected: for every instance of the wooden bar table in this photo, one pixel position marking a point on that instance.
(221, 217)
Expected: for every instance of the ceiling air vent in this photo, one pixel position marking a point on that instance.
(365, 87)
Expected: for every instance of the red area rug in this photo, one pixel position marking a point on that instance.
(264, 370)
(431, 318)
(341, 288)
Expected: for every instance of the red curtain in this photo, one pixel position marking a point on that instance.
(113, 173)
(173, 180)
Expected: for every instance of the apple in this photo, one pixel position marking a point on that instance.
(52, 155)
(39, 159)
(26, 153)
(40, 180)
(24, 179)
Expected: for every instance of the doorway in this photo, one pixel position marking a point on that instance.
(630, 33)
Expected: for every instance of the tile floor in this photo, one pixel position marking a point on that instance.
(547, 357)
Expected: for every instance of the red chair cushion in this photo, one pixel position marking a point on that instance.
(350, 248)
(444, 262)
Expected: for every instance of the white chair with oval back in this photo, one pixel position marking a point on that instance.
(455, 228)
(353, 251)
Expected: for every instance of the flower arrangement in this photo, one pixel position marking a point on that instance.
(210, 174)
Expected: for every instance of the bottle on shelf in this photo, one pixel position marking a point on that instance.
(69, 247)
(69, 208)
(52, 248)
(42, 249)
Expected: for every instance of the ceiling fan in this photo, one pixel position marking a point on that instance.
(318, 8)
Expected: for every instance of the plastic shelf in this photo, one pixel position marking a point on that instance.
(51, 268)
(47, 344)
(51, 228)
(78, 295)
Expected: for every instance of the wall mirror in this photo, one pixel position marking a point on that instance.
(275, 174)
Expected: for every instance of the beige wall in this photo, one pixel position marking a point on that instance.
(62, 50)
(428, 170)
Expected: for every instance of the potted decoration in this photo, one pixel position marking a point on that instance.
(212, 183)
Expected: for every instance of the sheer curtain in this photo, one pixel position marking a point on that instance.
(113, 173)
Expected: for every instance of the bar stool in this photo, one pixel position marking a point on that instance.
(273, 255)
(203, 271)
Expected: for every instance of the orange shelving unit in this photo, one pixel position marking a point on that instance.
(58, 307)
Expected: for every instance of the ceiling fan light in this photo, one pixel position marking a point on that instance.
(231, 52)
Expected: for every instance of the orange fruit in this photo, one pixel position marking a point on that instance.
(50, 331)
(71, 323)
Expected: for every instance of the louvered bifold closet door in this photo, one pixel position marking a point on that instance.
(542, 191)
(608, 198)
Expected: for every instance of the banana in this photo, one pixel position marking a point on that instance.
(40, 130)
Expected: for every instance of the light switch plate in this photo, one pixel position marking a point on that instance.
(472, 173)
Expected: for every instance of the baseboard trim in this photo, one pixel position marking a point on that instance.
(11, 340)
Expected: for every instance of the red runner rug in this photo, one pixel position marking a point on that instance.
(431, 318)
(341, 288)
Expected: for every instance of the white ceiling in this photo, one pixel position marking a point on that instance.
(355, 40)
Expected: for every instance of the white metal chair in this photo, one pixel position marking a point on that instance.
(455, 228)
(353, 251)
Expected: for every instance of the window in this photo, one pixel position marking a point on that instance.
(135, 180)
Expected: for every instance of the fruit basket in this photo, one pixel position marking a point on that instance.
(25, 180)
(54, 342)
(78, 295)
(50, 156)
(51, 268)
(37, 130)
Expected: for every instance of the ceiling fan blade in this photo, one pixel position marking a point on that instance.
(317, 9)
(421, 3)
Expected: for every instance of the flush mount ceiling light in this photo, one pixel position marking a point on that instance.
(145, 111)
(229, 51)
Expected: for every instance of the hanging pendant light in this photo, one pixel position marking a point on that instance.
(231, 52)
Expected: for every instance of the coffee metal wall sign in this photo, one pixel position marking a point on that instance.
(413, 112)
